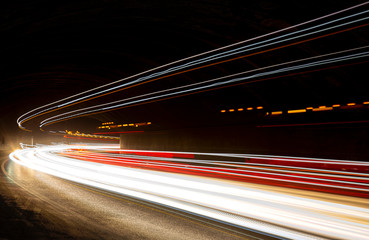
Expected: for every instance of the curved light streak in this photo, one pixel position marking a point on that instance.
(199, 83)
(270, 210)
(314, 175)
(21, 119)
(235, 44)
(223, 167)
(58, 118)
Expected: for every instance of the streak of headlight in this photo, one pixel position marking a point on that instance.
(225, 47)
(311, 171)
(129, 84)
(301, 178)
(238, 50)
(146, 162)
(20, 121)
(212, 198)
(208, 81)
(268, 157)
(323, 163)
(297, 161)
(58, 118)
(303, 159)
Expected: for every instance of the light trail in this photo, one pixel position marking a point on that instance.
(262, 69)
(278, 174)
(272, 210)
(201, 54)
(209, 84)
(228, 53)
(225, 166)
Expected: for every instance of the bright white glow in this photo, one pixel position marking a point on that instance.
(224, 200)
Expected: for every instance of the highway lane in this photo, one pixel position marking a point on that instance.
(176, 180)
(65, 209)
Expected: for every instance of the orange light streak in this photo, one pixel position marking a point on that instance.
(297, 111)
(196, 68)
(322, 109)
(217, 88)
(277, 113)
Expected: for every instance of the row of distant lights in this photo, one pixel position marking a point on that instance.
(107, 123)
(123, 125)
(78, 134)
(320, 108)
(241, 109)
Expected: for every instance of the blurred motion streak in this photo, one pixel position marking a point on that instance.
(119, 132)
(297, 111)
(277, 113)
(208, 85)
(323, 108)
(328, 25)
(240, 190)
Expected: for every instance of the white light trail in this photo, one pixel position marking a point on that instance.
(209, 84)
(329, 178)
(275, 212)
(200, 83)
(27, 116)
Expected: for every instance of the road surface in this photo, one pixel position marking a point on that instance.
(41, 206)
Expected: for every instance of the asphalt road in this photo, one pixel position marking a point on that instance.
(34, 205)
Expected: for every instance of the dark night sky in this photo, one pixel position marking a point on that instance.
(51, 50)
